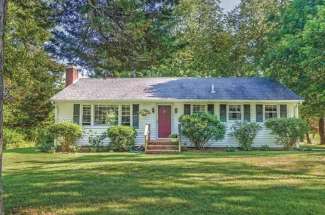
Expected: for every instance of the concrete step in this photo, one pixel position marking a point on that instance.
(162, 147)
(151, 151)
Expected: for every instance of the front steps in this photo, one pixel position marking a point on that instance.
(162, 146)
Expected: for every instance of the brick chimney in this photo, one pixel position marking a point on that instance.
(71, 75)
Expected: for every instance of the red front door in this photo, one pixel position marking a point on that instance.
(164, 121)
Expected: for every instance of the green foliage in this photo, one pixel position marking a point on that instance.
(13, 138)
(45, 141)
(122, 137)
(201, 127)
(31, 75)
(245, 134)
(288, 131)
(66, 133)
(96, 140)
(295, 53)
(265, 148)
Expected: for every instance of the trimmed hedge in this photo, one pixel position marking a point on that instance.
(122, 137)
(201, 127)
(288, 131)
(66, 133)
(245, 134)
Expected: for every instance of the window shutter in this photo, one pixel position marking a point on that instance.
(223, 113)
(187, 109)
(135, 116)
(247, 113)
(259, 113)
(283, 111)
(211, 109)
(76, 113)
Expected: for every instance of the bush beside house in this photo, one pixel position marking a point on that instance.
(201, 127)
(288, 131)
(122, 137)
(66, 133)
(245, 134)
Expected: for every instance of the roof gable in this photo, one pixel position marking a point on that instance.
(234, 88)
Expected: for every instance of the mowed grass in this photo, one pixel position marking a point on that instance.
(190, 183)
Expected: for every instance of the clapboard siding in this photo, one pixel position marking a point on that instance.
(64, 112)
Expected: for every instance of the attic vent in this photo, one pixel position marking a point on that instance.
(212, 89)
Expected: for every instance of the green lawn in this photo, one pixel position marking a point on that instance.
(188, 183)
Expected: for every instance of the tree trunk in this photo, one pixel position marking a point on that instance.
(308, 138)
(3, 7)
(321, 129)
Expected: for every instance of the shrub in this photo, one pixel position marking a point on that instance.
(12, 138)
(122, 137)
(288, 131)
(245, 134)
(66, 133)
(265, 148)
(96, 141)
(45, 141)
(201, 127)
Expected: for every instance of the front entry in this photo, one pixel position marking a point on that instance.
(164, 121)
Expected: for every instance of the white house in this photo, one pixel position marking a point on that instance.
(160, 102)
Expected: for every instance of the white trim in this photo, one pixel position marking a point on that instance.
(180, 100)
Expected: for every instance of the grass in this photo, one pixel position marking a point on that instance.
(189, 183)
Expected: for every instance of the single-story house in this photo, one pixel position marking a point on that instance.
(160, 101)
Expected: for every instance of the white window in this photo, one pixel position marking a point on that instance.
(106, 115)
(270, 111)
(86, 115)
(126, 115)
(234, 112)
(198, 108)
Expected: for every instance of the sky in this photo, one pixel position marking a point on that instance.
(228, 5)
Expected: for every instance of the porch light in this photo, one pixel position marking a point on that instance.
(176, 110)
(153, 110)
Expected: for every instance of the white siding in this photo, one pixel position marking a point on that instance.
(64, 112)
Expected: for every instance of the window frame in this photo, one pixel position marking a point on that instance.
(272, 111)
(76, 116)
(113, 107)
(127, 116)
(229, 112)
(200, 106)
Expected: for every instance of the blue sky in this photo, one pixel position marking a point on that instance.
(228, 5)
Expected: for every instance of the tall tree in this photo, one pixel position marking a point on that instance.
(202, 42)
(31, 75)
(3, 7)
(295, 54)
(111, 37)
(249, 23)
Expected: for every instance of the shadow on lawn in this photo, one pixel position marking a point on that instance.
(174, 184)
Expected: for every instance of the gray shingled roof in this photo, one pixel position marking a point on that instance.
(233, 88)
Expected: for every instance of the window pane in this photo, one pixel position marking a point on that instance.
(259, 113)
(223, 113)
(198, 108)
(126, 115)
(106, 115)
(76, 113)
(187, 109)
(135, 114)
(211, 109)
(270, 112)
(247, 113)
(234, 112)
(283, 111)
(86, 115)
